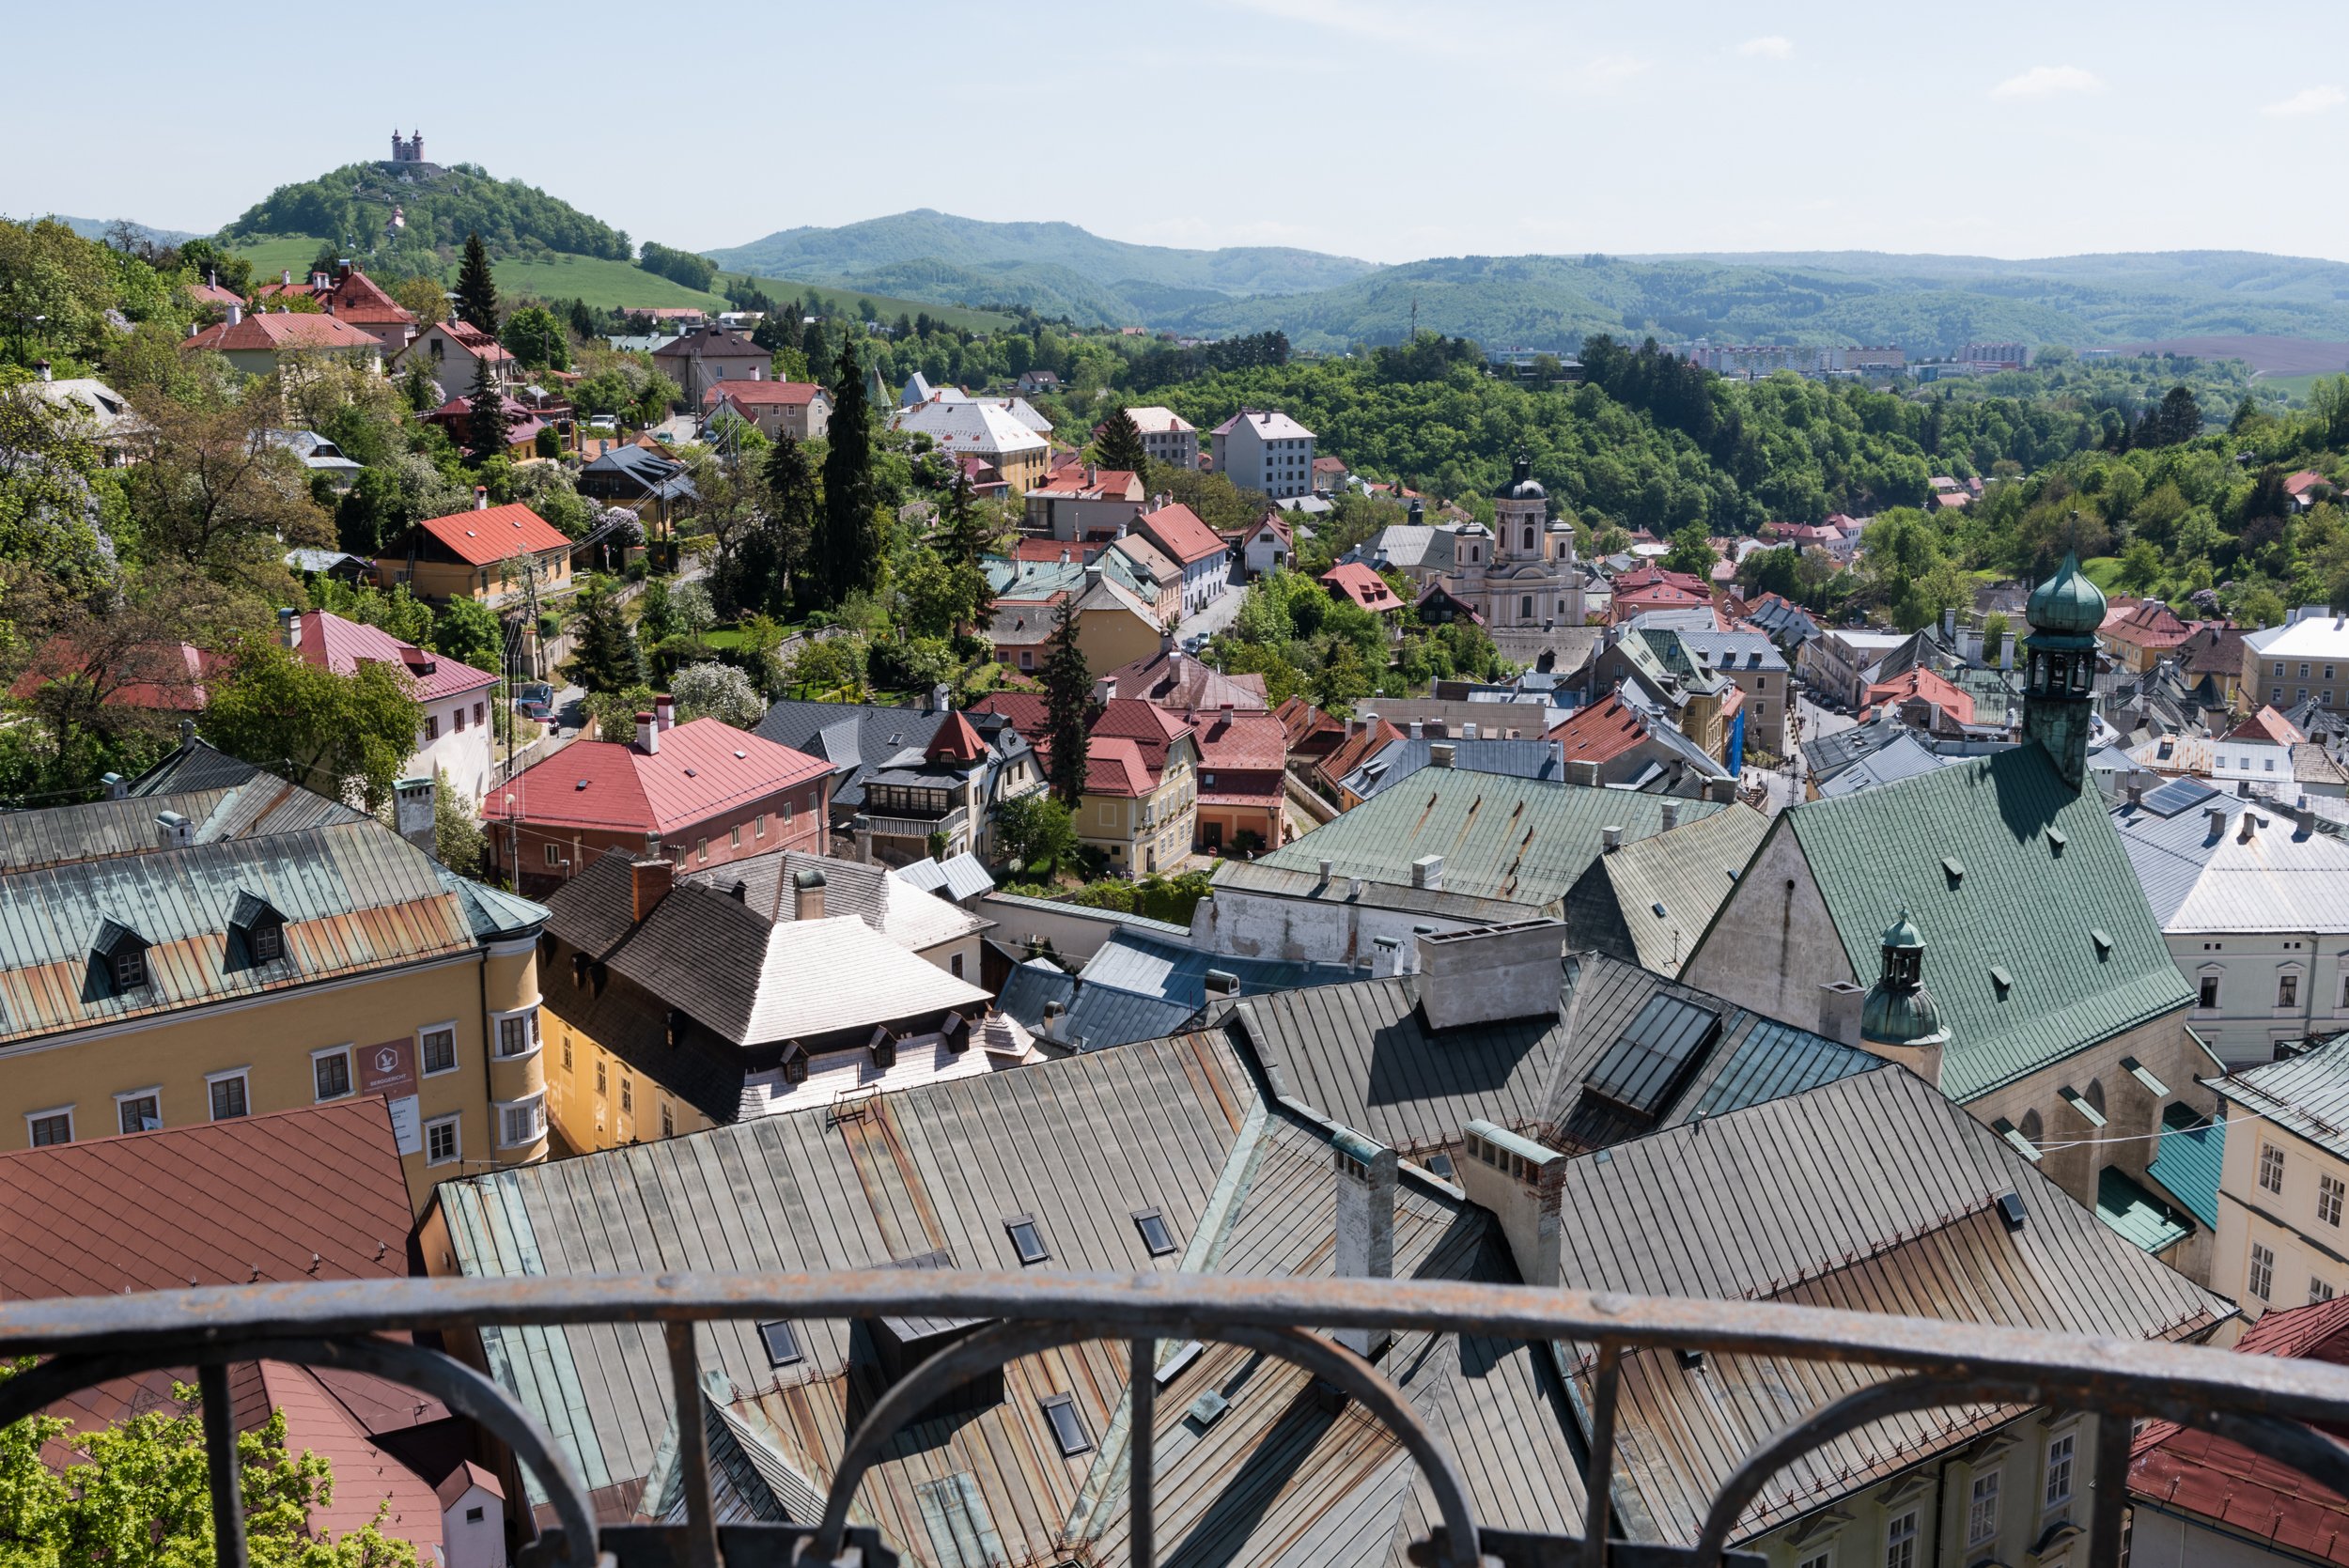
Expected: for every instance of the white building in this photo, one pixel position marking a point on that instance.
(2253, 902)
(2283, 1182)
(1268, 452)
(457, 737)
(2306, 657)
(1167, 435)
(2256, 754)
(989, 431)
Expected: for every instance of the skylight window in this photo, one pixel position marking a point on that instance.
(783, 1344)
(1069, 1428)
(1027, 1239)
(1155, 1233)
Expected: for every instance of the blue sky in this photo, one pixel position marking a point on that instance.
(1382, 129)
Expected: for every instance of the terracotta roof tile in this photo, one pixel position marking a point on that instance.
(332, 643)
(704, 766)
(484, 537)
(275, 331)
(1177, 530)
(1603, 730)
(1363, 586)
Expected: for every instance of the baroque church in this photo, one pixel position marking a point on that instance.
(1526, 574)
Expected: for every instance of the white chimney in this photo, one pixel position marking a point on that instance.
(1439, 755)
(647, 735)
(412, 810)
(1487, 973)
(1523, 1183)
(1427, 872)
(1418, 732)
(1840, 1005)
(1611, 838)
(43, 368)
(173, 830)
(482, 498)
(284, 278)
(1365, 1223)
(665, 711)
(1671, 816)
(236, 314)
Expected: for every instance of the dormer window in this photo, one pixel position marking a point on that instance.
(120, 953)
(129, 971)
(258, 924)
(795, 1064)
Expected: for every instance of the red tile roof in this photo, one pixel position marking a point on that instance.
(1244, 739)
(2147, 624)
(162, 677)
(1649, 575)
(360, 298)
(1079, 551)
(955, 741)
(751, 394)
(1357, 583)
(2186, 1472)
(1124, 749)
(1922, 685)
(1277, 523)
(1350, 752)
(1114, 766)
(2303, 482)
(1177, 530)
(704, 767)
(2267, 725)
(1303, 723)
(275, 331)
(472, 339)
(367, 1479)
(484, 537)
(332, 643)
(1602, 730)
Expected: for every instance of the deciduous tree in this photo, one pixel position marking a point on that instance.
(327, 731)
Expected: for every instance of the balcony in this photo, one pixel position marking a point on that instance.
(2259, 1402)
(901, 823)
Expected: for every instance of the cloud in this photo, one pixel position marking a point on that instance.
(1338, 16)
(2309, 101)
(1607, 69)
(1770, 48)
(2048, 81)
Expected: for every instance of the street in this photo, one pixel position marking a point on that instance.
(1783, 785)
(1214, 616)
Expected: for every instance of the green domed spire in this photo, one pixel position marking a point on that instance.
(1899, 1010)
(1903, 934)
(2068, 602)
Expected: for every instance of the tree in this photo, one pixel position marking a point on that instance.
(1117, 444)
(536, 338)
(1067, 702)
(831, 669)
(425, 299)
(476, 290)
(139, 1495)
(714, 690)
(846, 555)
(1035, 834)
(1691, 552)
(470, 632)
(605, 657)
(212, 491)
(485, 427)
(757, 562)
(459, 842)
(327, 731)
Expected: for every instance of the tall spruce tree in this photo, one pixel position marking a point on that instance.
(1118, 443)
(606, 658)
(1068, 703)
(476, 290)
(846, 557)
(485, 427)
(763, 571)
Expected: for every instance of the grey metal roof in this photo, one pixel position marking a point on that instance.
(1649, 901)
(1081, 911)
(1904, 757)
(193, 765)
(1174, 971)
(2307, 1094)
(1871, 1193)
(1078, 1143)
(879, 897)
(1091, 1016)
(1399, 759)
(860, 739)
(962, 877)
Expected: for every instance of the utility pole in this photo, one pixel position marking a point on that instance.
(1414, 337)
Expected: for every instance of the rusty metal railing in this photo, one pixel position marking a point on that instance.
(2259, 1402)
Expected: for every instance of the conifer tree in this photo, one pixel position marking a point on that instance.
(606, 658)
(847, 553)
(485, 419)
(476, 290)
(1068, 701)
(1118, 444)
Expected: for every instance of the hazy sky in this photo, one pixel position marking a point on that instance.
(1383, 128)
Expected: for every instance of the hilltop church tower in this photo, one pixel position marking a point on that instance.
(407, 149)
(2060, 689)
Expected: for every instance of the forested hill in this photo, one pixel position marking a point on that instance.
(350, 205)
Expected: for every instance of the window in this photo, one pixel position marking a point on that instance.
(441, 1144)
(701, 850)
(458, 718)
(141, 1111)
(1155, 1233)
(1068, 1426)
(438, 1049)
(1899, 1542)
(480, 712)
(1981, 1510)
(628, 1095)
(2060, 1470)
(50, 1126)
(2318, 1291)
(668, 1120)
(2328, 1194)
(1818, 1559)
(228, 1096)
(782, 1346)
(129, 970)
(758, 825)
(2287, 990)
(432, 729)
(2262, 1280)
(521, 1122)
(555, 855)
(472, 1515)
(2210, 992)
(1027, 1238)
(267, 940)
(518, 1034)
(330, 1073)
(567, 1050)
(734, 840)
(2272, 1168)
(599, 1079)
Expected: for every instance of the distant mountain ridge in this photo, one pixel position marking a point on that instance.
(98, 228)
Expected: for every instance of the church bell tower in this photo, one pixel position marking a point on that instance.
(2060, 685)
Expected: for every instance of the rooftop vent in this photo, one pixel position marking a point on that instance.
(2012, 1211)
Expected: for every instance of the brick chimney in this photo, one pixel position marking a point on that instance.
(1487, 973)
(649, 883)
(1365, 1223)
(1522, 1183)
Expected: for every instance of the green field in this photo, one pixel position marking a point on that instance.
(605, 284)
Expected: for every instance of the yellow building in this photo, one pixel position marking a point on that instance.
(1141, 802)
(218, 944)
(1114, 627)
(489, 553)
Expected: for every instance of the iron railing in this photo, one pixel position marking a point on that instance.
(2257, 1401)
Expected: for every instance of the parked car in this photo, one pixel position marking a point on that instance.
(534, 700)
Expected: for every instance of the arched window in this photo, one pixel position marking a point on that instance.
(1529, 536)
(2030, 1127)
(2096, 1095)
(1525, 608)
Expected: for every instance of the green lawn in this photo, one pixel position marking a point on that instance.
(2103, 570)
(2295, 387)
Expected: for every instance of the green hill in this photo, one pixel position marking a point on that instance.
(351, 206)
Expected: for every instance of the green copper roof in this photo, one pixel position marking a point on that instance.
(2066, 603)
(2135, 1213)
(1904, 933)
(2186, 1164)
(1892, 1017)
(2019, 909)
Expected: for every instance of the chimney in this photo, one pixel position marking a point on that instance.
(1329, 868)
(1427, 872)
(665, 711)
(1221, 983)
(1523, 1183)
(1558, 757)
(2137, 795)
(647, 735)
(1365, 1223)
(1582, 770)
(1611, 839)
(1468, 731)
(2217, 817)
(482, 498)
(413, 811)
(649, 883)
(288, 627)
(1840, 1003)
(1487, 973)
(173, 830)
(1723, 791)
(807, 895)
(1104, 689)
(1671, 816)
(116, 787)
(1227, 716)
(1439, 755)
(942, 697)
(1418, 730)
(284, 278)
(2250, 826)
(43, 367)
(236, 313)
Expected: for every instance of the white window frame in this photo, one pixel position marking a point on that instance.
(210, 1079)
(2062, 1451)
(1901, 1534)
(153, 1091)
(1983, 1493)
(2271, 1159)
(454, 1060)
(537, 1103)
(2329, 1193)
(1823, 1558)
(33, 1118)
(351, 1074)
(2260, 1279)
(454, 1121)
(497, 1034)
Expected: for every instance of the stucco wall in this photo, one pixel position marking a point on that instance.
(1772, 946)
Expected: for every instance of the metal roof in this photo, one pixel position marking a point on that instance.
(1649, 901)
(1080, 1144)
(1400, 759)
(962, 877)
(1091, 1016)
(2138, 1216)
(2041, 869)
(881, 898)
(1872, 1193)
(2188, 1157)
(1174, 971)
(2198, 876)
(2307, 1094)
(1651, 1060)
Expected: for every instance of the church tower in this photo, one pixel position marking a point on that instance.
(1899, 1020)
(2059, 688)
(1521, 515)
